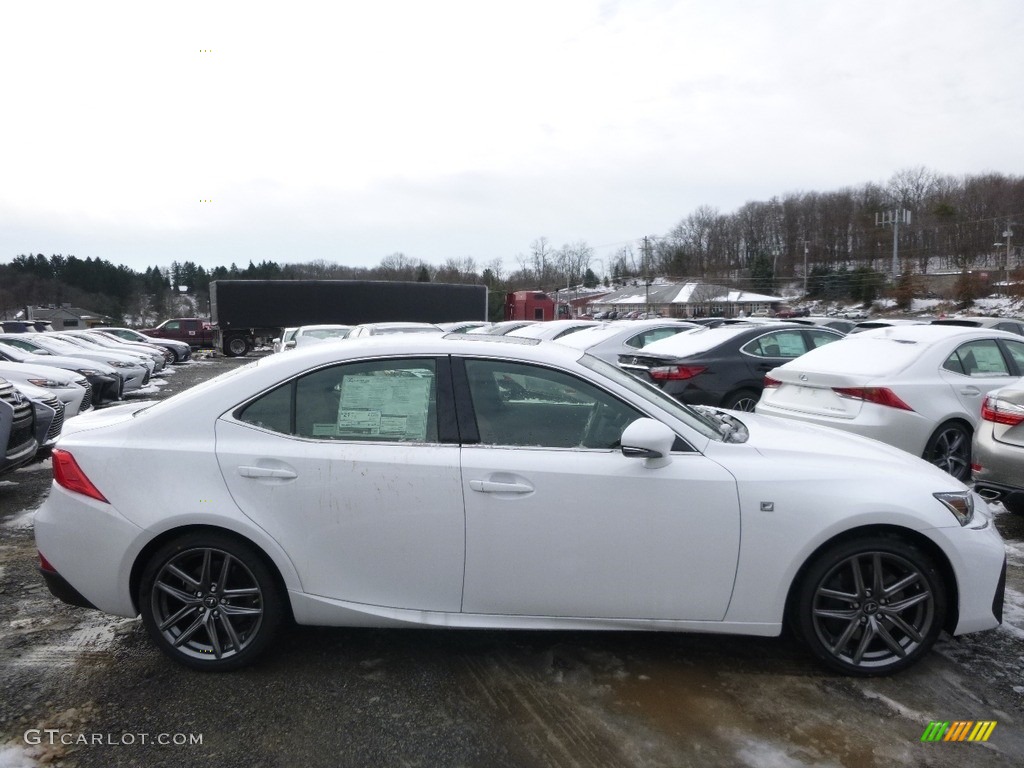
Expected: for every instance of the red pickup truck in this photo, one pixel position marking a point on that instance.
(192, 330)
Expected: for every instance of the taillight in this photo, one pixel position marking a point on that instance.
(770, 383)
(1002, 412)
(68, 474)
(877, 395)
(676, 372)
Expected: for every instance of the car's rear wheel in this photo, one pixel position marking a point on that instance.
(744, 400)
(949, 448)
(871, 606)
(210, 601)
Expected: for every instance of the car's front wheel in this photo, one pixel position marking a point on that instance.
(871, 606)
(210, 601)
(949, 448)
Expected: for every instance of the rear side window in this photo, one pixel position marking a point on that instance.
(381, 400)
(821, 338)
(641, 340)
(778, 344)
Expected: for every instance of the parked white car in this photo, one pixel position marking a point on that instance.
(611, 339)
(448, 481)
(72, 389)
(314, 334)
(389, 329)
(553, 329)
(917, 387)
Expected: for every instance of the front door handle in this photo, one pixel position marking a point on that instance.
(281, 474)
(972, 391)
(489, 486)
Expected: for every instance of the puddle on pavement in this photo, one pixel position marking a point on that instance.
(731, 716)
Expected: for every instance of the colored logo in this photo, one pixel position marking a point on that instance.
(959, 730)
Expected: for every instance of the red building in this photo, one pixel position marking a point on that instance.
(529, 305)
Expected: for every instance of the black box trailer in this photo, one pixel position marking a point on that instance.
(247, 313)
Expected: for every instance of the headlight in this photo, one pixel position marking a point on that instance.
(960, 503)
(47, 383)
(88, 371)
(119, 364)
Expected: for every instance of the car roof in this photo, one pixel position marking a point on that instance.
(702, 339)
(886, 351)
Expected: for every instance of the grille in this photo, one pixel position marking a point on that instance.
(87, 400)
(22, 435)
(58, 418)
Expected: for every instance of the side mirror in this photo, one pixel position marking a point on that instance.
(649, 440)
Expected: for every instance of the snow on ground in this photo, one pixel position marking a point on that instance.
(13, 756)
(21, 520)
(1013, 613)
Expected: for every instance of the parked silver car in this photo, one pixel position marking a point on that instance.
(997, 463)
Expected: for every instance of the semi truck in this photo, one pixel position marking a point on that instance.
(249, 313)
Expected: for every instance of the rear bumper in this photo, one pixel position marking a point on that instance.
(62, 590)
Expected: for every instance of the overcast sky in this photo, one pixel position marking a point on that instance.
(223, 131)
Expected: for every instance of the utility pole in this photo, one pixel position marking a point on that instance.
(647, 275)
(806, 243)
(893, 218)
(1007, 235)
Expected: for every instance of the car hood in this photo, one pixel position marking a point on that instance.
(794, 443)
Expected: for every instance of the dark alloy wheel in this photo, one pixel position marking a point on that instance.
(871, 606)
(210, 602)
(950, 450)
(744, 400)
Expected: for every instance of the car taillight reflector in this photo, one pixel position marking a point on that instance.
(770, 383)
(676, 372)
(877, 395)
(1002, 412)
(68, 474)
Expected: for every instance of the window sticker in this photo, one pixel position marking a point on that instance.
(392, 407)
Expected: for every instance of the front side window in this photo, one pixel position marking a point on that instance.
(1016, 350)
(517, 404)
(386, 400)
(977, 358)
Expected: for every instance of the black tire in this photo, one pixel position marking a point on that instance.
(210, 601)
(949, 448)
(871, 606)
(1014, 505)
(743, 400)
(236, 346)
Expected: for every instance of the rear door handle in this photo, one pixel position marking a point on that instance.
(489, 486)
(972, 391)
(282, 474)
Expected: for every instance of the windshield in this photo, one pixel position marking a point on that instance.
(698, 421)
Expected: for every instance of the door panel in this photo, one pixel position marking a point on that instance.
(592, 533)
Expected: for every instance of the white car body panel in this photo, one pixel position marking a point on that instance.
(365, 535)
(630, 547)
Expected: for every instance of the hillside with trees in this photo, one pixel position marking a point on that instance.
(830, 243)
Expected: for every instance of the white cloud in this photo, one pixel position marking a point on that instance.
(466, 125)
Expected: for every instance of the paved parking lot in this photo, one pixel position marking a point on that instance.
(79, 688)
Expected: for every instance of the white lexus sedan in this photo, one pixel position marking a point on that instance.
(917, 387)
(459, 482)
